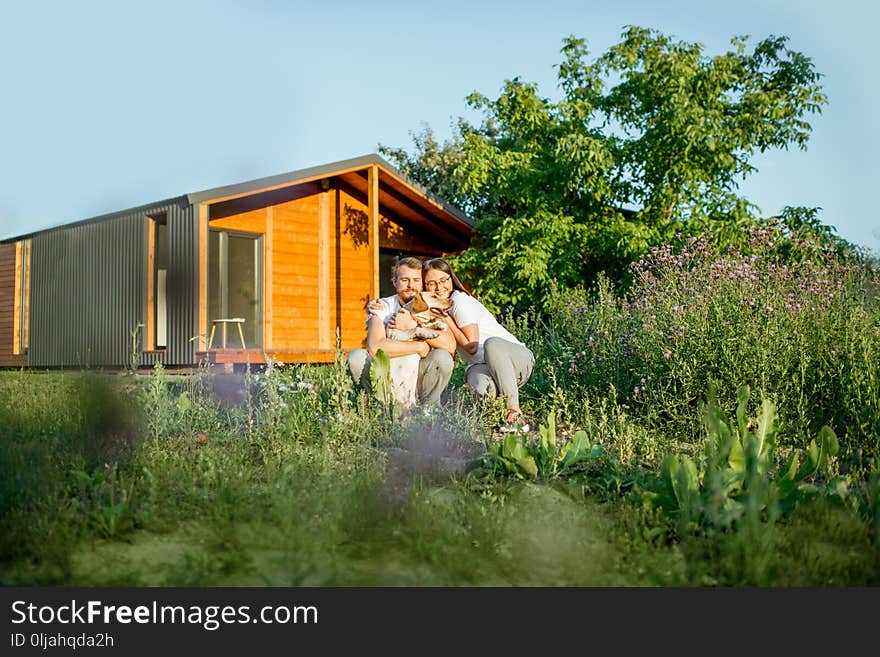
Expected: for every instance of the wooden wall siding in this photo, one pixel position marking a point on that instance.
(297, 263)
(16, 300)
(253, 221)
(351, 268)
(268, 274)
(373, 212)
(7, 306)
(295, 260)
(325, 328)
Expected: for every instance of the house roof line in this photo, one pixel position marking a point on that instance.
(147, 207)
(277, 181)
(292, 177)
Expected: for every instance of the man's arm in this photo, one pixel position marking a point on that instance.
(445, 340)
(376, 339)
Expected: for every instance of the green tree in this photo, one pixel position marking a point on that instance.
(651, 138)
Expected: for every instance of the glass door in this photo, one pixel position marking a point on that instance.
(235, 285)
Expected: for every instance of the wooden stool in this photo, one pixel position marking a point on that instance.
(238, 321)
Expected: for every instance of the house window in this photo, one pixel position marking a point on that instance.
(21, 305)
(157, 305)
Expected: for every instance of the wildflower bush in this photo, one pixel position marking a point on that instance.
(782, 311)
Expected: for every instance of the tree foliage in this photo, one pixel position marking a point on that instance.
(646, 140)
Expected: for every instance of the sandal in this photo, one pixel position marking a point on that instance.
(516, 422)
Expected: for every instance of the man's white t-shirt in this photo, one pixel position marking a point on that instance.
(467, 310)
(391, 305)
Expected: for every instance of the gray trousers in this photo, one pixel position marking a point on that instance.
(435, 371)
(508, 365)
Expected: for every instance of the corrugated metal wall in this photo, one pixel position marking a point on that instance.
(182, 285)
(88, 290)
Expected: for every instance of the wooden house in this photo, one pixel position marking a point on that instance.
(281, 264)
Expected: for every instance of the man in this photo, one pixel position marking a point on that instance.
(435, 364)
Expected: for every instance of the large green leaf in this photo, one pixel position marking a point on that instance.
(688, 475)
(768, 424)
(577, 449)
(829, 444)
(729, 480)
(818, 454)
(513, 448)
(668, 467)
(527, 464)
(548, 435)
(786, 490)
(499, 456)
(737, 457)
(546, 447)
(789, 470)
(716, 425)
(681, 474)
(380, 378)
(810, 465)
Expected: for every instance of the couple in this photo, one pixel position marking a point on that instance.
(498, 363)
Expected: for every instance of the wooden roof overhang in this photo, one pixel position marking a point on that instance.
(400, 199)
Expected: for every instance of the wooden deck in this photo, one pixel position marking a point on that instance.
(256, 356)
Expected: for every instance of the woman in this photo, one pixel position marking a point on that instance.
(498, 363)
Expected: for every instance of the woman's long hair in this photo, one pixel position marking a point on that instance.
(442, 265)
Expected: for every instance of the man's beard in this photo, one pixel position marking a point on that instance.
(407, 295)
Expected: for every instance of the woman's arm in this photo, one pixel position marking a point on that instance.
(467, 336)
(444, 340)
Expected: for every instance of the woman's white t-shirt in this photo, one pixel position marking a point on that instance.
(466, 310)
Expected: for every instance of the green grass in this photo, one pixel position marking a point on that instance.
(291, 477)
(105, 482)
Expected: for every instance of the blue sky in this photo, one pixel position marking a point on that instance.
(109, 105)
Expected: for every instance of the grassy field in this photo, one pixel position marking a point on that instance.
(716, 425)
(281, 480)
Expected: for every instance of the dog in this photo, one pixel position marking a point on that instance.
(424, 308)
